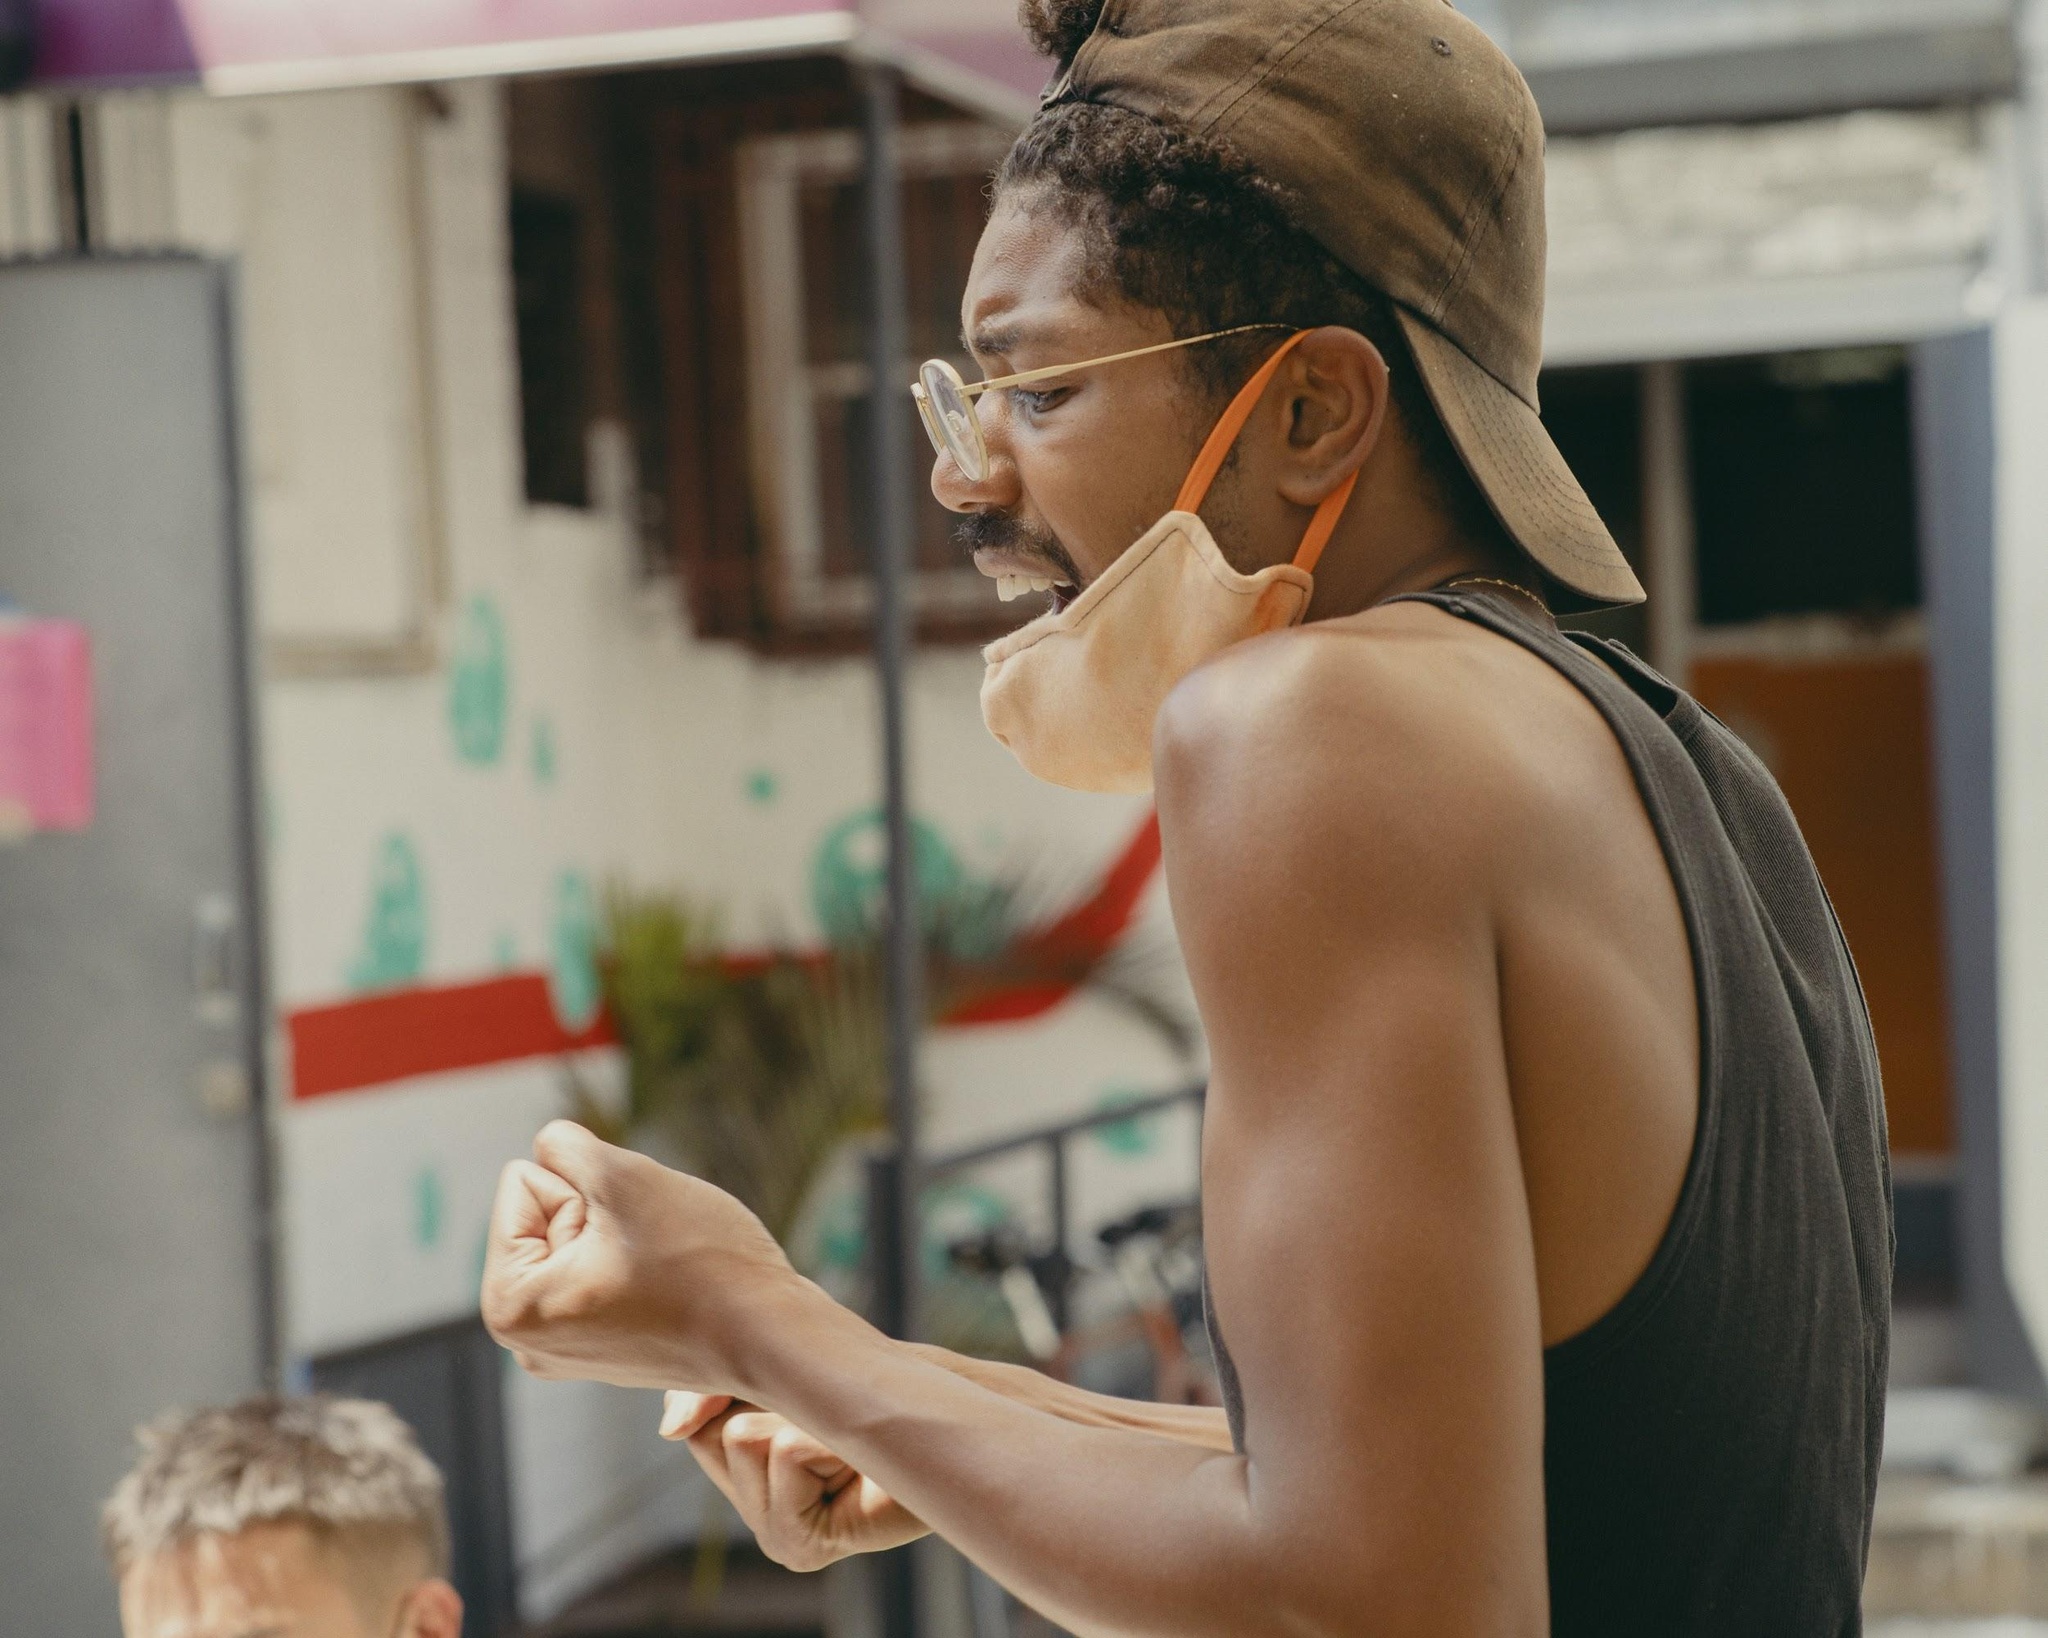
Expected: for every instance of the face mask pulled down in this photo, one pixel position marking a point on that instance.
(1075, 694)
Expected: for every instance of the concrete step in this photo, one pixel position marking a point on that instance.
(1951, 1549)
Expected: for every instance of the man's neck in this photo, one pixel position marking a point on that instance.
(1353, 577)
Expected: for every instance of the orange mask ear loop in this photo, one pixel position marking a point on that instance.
(1221, 441)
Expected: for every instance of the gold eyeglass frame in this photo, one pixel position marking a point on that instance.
(955, 429)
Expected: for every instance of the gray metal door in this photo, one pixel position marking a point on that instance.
(131, 1183)
(1955, 432)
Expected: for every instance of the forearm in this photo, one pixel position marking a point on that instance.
(1184, 1424)
(1106, 1529)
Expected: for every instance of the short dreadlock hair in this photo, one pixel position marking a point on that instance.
(1181, 224)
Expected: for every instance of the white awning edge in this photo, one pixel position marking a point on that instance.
(933, 72)
(687, 43)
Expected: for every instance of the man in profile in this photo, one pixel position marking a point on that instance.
(282, 1518)
(1544, 1180)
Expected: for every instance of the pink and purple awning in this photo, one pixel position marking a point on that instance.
(972, 48)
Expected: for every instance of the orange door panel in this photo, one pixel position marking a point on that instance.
(1848, 741)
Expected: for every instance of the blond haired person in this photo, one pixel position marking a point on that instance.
(282, 1518)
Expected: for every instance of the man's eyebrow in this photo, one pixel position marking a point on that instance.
(994, 341)
(264, 1632)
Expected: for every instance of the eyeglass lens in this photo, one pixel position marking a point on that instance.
(950, 419)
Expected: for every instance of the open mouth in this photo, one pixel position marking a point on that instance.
(1010, 587)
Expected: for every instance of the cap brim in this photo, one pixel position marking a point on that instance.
(1522, 474)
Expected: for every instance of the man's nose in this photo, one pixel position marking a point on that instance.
(999, 491)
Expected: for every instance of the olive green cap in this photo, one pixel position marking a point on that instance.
(1414, 154)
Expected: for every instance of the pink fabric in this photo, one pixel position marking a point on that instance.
(46, 725)
(96, 41)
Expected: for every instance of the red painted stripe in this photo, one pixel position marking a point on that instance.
(1016, 1005)
(1092, 929)
(1076, 942)
(374, 1040)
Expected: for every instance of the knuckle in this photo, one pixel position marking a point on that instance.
(752, 1434)
(504, 1315)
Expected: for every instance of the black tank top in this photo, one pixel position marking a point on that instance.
(1711, 1445)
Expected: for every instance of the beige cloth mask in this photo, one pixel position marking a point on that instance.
(1075, 694)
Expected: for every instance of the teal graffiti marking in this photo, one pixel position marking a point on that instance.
(1127, 1139)
(394, 947)
(479, 684)
(545, 761)
(850, 875)
(572, 973)
(762, 787)
(951, 1211)
(954, 1212)
(505, 952)
(429, 1208)
(842, 1231)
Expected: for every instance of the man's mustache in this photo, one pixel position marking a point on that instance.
(997, 532)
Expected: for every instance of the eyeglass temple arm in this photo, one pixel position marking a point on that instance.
(974, 389)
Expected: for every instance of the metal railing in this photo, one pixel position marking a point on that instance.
(994, 1614)
(1054, 1142)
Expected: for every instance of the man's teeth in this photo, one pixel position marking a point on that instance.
(1010, 587)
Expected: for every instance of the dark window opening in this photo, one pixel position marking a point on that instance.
(673, 153)
(1595, 417)
(547, 249)
(1927, 1268)
(1803, 488)
(942, 221)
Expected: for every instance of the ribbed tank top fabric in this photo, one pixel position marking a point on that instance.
(1711, 1444)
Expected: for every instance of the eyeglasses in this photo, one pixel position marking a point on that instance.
(946, 403)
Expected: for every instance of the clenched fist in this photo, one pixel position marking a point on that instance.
(607, 1267)
(806, 1507)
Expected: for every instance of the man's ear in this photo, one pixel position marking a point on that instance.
(433, 1609)
(1338, 402)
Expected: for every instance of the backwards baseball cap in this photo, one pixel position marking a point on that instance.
(1414, 153)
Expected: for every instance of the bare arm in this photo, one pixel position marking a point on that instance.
(1208, 1429)
(687, 1413)
(1368, 1239)
(808, 1507)
(1195, 1425)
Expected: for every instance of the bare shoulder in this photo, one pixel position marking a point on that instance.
(1402, 725)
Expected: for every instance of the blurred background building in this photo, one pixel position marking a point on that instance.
(449, 437)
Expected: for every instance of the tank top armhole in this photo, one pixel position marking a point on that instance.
(1583, 1351)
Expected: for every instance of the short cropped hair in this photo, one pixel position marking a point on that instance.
(348, 1469)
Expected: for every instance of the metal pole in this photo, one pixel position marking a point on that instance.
(1668, 521)
(889, 425)
(253, 929)
(896, 1228)
(1056, 1155)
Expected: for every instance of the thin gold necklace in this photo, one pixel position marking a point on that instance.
(1542, 607)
